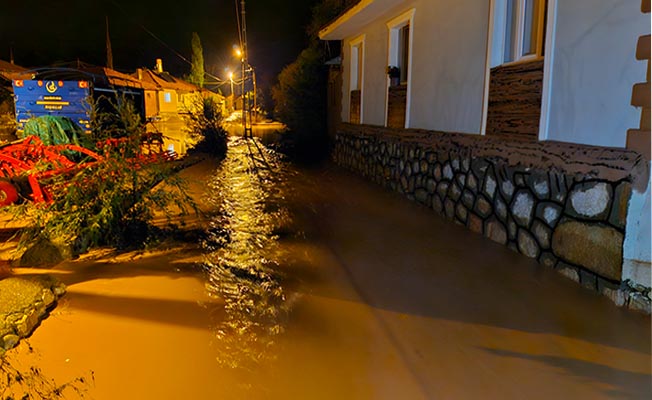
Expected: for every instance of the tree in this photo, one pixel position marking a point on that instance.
(300, 95)
(197, 62)
(111, 200)
(205, 124)
(300, 100)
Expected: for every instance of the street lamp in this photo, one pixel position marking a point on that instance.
(242, 55)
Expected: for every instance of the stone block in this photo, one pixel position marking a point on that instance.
(455, 163)
(640, 302)
(449, 207)
(483, 207)
(613, 291)
(461, 179)
(542, 233)
(596, 247)
(431, 185)
(404, 183)
(569, 271)
(416, 167)
(454, 192)
(437, 172)
(475, 223)
(479, 166)
(548, 259)
(495, 231)
(9, 341)
(442, 189)
(519, 179)
(407, 171)
(411, 184)
(507, 189)
(448, 171)
(501, 208)
(539, 184)
(549, 212)
(468, 199)
(523, 208)
(472, 182)
(437, 204)
(423, 166)
(489, 187)
(421, 195)
(618, 216)
(527, 245)
(588, 279)
(461, 212)
(590, 200)
(466, 164)
(512, 228)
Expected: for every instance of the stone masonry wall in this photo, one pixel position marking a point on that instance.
(564, 205)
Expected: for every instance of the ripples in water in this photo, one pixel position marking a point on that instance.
(243, 253)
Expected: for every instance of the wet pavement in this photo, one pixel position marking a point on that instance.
(314, 284)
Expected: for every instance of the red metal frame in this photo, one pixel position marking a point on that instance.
(22, 159)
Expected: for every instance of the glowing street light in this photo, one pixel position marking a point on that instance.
(237, 51)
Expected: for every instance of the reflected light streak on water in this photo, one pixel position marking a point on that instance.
(243, 255)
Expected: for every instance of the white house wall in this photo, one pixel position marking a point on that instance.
(447, 72)
(594, 69)
(449, 53)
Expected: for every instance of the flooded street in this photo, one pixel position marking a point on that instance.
(314, 284)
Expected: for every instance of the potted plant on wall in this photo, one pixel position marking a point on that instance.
(394, 74)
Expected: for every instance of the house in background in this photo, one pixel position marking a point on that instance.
(527, 121)
(168, 101)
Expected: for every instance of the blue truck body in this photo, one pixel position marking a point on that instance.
(34, 98)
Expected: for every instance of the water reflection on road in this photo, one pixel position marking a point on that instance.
(249, 192)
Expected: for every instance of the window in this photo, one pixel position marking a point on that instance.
(404, 52)
(356, 80)
(356, 65)
(399, 87)
(400, 44)
(167, 97)
(519, 23)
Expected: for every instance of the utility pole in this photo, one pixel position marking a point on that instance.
(109, 51)
(253, 74)
(245, 102)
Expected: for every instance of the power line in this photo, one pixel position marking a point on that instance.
(143, 27)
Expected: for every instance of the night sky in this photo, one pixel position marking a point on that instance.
(45, 32)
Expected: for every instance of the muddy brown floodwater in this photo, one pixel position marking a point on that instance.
(313, 284)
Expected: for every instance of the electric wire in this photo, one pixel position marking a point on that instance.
(117, 5)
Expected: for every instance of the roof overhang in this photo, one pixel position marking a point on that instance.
(363, 13)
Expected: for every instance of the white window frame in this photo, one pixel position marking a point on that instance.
(495, 52)
(356, 72)
(499, 42)
(394, 27)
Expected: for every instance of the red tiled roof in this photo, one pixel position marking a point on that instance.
(10, 71)
(163, 80)
(119, 79)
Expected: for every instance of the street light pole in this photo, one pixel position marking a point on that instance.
(253, 74)
(244, 69)
(232, 96)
